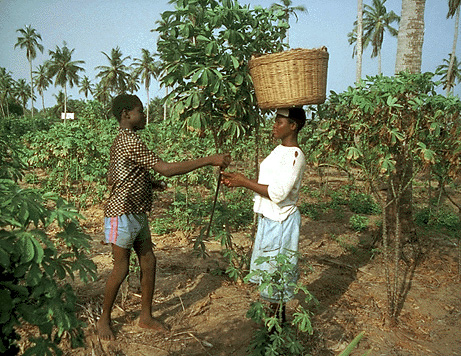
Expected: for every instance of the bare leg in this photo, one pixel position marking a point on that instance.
(117, 276)
(147, 262)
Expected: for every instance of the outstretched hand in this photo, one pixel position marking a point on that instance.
(233, 179)
(221, 160)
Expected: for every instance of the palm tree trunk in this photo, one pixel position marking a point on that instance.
(411, 36)
(31, 89)
(65, 103)
(147, 92)
(379, 62)
(453, 54)
(164, 104)
(358, 68)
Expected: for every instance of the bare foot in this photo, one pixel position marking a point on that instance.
(152, 324)
(104, 330)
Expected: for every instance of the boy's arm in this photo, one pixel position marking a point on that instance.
(169, 169)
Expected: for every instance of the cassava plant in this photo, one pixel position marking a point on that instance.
(204, 47)
(391, 128)
(276, 336)
(74, 154)
(35, 265)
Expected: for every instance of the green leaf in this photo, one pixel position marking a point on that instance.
(235, 62)
(6, 306)
(352, 345)
(353, 153)
(238, 79)
(34, 275)
(202, 38)
(26, 248)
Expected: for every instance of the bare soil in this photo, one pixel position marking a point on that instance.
(205, 311)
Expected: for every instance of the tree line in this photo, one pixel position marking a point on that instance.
(121, 76)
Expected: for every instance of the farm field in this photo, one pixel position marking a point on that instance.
(206, 311)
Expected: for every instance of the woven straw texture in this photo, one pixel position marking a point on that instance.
(292, 78)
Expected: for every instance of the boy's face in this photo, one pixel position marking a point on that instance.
(137, 118)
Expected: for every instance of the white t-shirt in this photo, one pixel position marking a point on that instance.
(282, 171)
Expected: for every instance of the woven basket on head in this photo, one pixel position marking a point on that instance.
(292, 78)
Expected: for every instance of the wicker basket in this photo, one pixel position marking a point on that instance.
(292, 78)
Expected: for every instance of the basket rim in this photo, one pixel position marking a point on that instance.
(288, 55)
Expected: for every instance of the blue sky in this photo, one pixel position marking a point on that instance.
(92, 27)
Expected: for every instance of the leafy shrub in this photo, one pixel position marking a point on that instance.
(276, 337)
(358, 222)
(438, 218)
(361, 203)
(35, 267)
(75, 154)
(312, 210)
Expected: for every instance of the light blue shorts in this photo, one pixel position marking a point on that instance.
(274, 238)
(124, 230)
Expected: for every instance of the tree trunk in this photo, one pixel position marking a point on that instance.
(147, 92)
(65, 103)
(453, 54)
(399, 225)
(31, 89)
(411, 36)
(358, 68)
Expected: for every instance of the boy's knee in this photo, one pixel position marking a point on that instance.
(148, 260)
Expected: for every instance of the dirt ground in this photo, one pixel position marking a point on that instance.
(205, 311)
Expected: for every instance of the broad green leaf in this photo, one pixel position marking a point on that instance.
(235, 62)
(6, 306)
(34, 275)
(4, 258)
(353, 153)
(26, 248)
(238, 79)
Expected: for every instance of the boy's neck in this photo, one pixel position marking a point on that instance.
(126, 125)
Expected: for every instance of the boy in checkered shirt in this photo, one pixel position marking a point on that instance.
(130, 200)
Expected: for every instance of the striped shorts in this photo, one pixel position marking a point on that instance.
(124, 230)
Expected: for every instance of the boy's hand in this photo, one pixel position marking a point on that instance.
(221, 160)
(233, 179)
(158, 185)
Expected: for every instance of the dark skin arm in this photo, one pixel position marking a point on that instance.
(169, 169)
(239, 180)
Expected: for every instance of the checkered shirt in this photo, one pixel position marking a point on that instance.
(131, 181)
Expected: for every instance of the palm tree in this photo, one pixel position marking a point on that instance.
(360, 45)
(64, 68)
(60, 101)
(29, 39)
(101, 93)
(453, 9)
(133, 83)
(86, 87)
(376, 21)
(116, 76)
(410, 37)
(147, 68)
(6, 89)
(42, 81)
(450, 72)
(21, 91)
(289, 10)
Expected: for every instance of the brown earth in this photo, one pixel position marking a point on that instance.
(205, 311)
